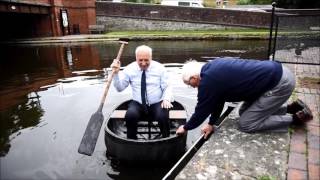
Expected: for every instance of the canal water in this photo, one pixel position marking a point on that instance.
(49, 91)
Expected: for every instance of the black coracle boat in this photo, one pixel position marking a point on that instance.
(150, 147)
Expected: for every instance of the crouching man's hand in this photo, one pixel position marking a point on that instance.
(207, 130)
(181, 131)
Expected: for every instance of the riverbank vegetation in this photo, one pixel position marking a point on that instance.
(244, 33)
(199, 34)
(293, 4)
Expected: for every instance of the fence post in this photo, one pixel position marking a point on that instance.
(275, 38)
(271, 28)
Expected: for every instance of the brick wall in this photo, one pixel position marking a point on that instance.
(122, 23)
(40, 18)
(81, 14)
(184, 14)
(43, 26)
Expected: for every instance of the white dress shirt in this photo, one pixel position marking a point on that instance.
(157, 79)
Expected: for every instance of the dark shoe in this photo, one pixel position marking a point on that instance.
(303, 116)
(296, 106)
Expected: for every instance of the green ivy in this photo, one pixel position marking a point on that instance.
(298, 4)
(246, 2)
(266, 177)
(292, 4)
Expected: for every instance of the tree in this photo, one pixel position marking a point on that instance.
(298, 4)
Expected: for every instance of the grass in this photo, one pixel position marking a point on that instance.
(255, 33)
(234, 33)
(291, 130)
(266, 177)
(209, 3)
(294, 96)
(188, 32)
(218, 34)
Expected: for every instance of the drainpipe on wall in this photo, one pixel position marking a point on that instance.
(55, 21)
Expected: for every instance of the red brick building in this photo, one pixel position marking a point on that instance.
(39, 18)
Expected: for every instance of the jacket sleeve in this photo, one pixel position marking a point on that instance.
(208, 103)
(216, 113)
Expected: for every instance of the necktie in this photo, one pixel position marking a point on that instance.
(143, 90)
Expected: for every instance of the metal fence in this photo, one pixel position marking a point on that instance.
(295, 39)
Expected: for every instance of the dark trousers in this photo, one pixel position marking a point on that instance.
(136, 113)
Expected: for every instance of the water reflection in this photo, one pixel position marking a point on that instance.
(49, 92)
(129, 173)
(24, 69)
(26, 114)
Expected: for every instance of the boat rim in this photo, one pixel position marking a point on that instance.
(142, 141)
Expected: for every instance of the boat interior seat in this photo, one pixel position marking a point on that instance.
(147, 127)
(151, 128)
(173, 114)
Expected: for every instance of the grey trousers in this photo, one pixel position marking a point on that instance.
(269, 112)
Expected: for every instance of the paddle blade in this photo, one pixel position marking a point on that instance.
(90, 137)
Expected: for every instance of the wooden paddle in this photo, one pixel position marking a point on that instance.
(90, 137)
(175, 170)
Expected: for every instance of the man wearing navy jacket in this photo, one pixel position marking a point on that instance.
(264, 86)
